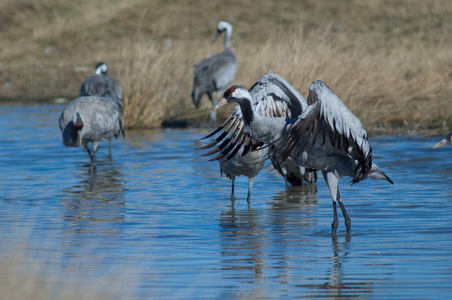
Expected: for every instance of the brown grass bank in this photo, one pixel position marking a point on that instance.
(389, 61)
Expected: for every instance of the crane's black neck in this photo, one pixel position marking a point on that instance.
(247, 110)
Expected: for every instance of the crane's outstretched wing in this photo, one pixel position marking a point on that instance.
(233, 136)
(273, 97)
(327, 119)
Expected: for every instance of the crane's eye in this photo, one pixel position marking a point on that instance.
(228, 92)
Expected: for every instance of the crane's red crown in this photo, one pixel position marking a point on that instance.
(228, 92)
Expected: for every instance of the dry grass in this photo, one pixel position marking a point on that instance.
(27, 278)
(389, 61)
(389, 89)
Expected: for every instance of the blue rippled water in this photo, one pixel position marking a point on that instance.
(157, 219)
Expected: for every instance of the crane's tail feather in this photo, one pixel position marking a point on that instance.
(377, 173)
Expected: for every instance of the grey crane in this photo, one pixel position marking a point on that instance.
(101, 84)
(326, 136)
(272, 96)
(246, 163)
(215, 73)
(447, 140)
(90, 119)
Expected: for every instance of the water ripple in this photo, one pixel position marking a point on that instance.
(157, 218)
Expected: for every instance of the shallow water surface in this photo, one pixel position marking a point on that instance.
(156, 218)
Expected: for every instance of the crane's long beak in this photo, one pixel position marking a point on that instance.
(216, 36)
(440, 143)
(222, 102)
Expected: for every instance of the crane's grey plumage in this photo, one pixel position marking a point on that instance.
(245, 162)
(90, 119)
(248, 165)
(101, 84)
(272, 97)
(326, 136)
(215, 73)
(447, 140)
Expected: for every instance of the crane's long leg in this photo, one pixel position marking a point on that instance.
(86, 146)
(232, 191)
(333, 184)
(308, 177)
(348, 221)
(284, 175)
(250, 186)
(93, 157)
(311, 176)
(283, 170)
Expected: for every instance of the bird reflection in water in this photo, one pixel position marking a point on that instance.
(333, 286)
(94, 213)
(338, 283)
(97, 199)
(303, 194)
(243, 242)
(260, 245)
(295, 207)
(248, 234)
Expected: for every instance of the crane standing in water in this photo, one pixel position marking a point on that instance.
(326, 136)
(90, 119)
(215, 73)
(101, 84)
(272, 96)
(245, 162)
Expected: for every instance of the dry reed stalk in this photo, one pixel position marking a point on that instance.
(153, 79)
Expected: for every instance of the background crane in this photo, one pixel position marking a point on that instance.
(101, 84)
(215, 73)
